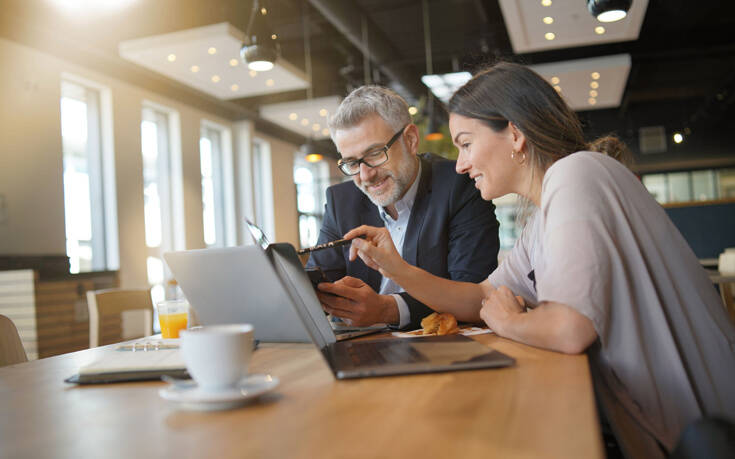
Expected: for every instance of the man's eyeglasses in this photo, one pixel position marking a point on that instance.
(372, 159)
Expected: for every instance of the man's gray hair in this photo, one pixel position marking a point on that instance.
(370, 100)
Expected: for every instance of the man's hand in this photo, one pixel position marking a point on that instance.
(350, 298)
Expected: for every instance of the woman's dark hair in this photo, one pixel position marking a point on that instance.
(508, 92)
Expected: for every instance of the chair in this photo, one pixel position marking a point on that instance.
(11, 348)
(727, 292)
(713, 438)
(113, 302)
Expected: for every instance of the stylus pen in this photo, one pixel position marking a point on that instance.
(327, 245)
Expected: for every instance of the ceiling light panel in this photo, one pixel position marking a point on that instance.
(443, 86)
(193, 50)
(306, 117)
(576, 79)
(572, 25)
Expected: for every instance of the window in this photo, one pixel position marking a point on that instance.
(217, 186)
(691, 186)
(89, 179)
(312, 180)
(162, 193)
(263, 188)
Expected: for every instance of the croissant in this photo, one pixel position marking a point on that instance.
(439, 324)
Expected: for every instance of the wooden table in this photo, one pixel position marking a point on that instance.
(542, 407)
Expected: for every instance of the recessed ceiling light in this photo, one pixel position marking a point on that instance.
(549, 36)
(263, 11)
(555, 80)
(212, 50)
(304, 121)
(593, 93)
(215, 78)
(234, 87)
(194, 68)
(599, 30)
(594, 85)
(253, 73)
(323, 112)
(412, 110)
(274, 36)
(269, 82)
(595, 75)
(234, 62)
(325, 131)
(546, 2)
(678, 138)
(293, 116)
(592, 101)
(558, 88)
(548, 20)
(171, 57)
(315, 127)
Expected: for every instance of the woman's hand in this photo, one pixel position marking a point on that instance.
(376, 250)
(499, 307)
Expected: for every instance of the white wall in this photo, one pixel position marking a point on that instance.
(31, 162)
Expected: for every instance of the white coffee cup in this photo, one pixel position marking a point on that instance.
(217, 356)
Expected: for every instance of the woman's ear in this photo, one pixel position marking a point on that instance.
(519, 140)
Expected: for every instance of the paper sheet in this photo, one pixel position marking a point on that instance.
(466, 331)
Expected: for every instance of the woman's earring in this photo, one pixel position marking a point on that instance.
(512, 154)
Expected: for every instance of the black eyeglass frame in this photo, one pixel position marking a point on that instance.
(373, 154)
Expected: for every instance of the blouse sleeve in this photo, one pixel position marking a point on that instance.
(580, 245)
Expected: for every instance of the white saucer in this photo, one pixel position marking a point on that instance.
(191, 397)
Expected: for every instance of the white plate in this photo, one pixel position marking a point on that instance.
(193, 398)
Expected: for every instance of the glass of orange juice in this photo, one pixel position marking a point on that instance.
(173, 315)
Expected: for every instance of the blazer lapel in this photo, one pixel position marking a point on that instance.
(418, 214)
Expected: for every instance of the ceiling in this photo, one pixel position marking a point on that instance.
(681, 66)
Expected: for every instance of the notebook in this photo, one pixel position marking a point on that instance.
(145, 359)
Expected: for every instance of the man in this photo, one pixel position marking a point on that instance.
(435, 216)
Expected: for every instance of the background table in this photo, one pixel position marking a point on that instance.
(542, 407)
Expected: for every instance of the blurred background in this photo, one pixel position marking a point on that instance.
(133, 127)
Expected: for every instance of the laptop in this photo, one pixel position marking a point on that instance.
(377, 357)
(342, 329)
(239, 285)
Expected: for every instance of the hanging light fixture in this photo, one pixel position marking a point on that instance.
(432, 128)
(609, 10)
(259, 52)
(308, 150)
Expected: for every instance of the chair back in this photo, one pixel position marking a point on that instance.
(110, 302)
(11, 348)
(710, 437)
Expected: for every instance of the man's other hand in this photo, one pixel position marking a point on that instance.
(350, 298)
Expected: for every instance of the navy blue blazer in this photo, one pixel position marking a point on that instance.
(451, 233)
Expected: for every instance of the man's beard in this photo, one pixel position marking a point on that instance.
(401, 181)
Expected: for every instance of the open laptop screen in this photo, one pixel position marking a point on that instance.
(298, 286)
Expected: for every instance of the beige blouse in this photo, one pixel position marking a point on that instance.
(602, 245)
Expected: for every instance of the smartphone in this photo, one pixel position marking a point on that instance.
(316, 276)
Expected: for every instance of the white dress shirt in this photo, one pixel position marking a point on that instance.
(397, 230)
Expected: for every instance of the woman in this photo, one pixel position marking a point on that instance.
(606, 269)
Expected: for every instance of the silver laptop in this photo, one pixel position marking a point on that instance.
(235, 285)
(377, 357)
(239, 285)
